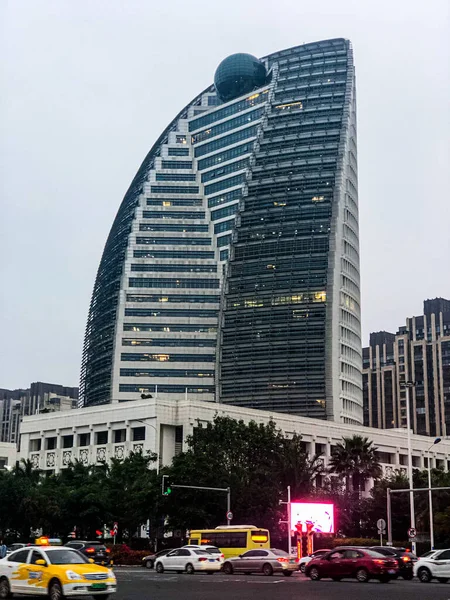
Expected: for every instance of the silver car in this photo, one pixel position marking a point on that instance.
(261, 561)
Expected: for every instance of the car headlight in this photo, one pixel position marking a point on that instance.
(111, 574)
(71, 575)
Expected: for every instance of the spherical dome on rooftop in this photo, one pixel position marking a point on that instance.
(239, 74)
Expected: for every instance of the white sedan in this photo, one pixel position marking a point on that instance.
(188, 561)
(433, 564)
(305, 559)
(211, 549)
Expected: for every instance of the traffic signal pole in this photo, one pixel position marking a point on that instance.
(390, 491)
(288, 522)
(165, 492)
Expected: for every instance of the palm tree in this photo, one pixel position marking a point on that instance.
(355, 459)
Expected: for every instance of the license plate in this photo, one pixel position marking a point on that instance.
(212, 559)
(292, 562)
(98, 586)
(391, 571)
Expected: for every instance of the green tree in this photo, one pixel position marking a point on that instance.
(255, 460)
(355, 459)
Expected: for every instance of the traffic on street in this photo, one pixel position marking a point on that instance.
(140, 584)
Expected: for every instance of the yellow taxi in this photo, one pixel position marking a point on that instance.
(55, 572)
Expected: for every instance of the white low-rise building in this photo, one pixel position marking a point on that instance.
(8, 455)
(96, 434)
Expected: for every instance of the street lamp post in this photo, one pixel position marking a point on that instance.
(156, 440)
(430, 496)
(407, 385)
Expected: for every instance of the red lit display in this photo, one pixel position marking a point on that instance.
(315, 517)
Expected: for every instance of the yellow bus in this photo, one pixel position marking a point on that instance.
(232, 540)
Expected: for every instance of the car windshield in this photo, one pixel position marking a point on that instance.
(201, 552)
(429, 553)
(279, 552)
(66, 557)
(213, 550)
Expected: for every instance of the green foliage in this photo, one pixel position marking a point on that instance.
(355, 459)
(255, 460)
(85, 497)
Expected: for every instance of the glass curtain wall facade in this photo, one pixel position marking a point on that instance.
(232, 268)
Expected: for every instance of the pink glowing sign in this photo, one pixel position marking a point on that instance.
(322, 515)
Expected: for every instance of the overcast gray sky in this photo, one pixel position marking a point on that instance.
(88, 86)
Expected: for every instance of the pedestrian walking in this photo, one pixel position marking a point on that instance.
(2, 549)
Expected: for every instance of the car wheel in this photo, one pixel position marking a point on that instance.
(287, 573)
(424, 575)
(227, 569)
(362, 575)
(55, 591)
(149, 564)
(190, 569)
(5, 590)
(336, 578)
(159, 568)
(407, 576)
(314, 574)
(267, 569)
(302, 568)
(442, 579)
(384, 579)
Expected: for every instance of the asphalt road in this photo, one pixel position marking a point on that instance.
(141, 584)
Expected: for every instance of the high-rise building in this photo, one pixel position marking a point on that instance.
(14, 404)
(231, 272)
(418, 353)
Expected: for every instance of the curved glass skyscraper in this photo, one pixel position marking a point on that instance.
(231, 272)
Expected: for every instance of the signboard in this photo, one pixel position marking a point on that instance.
(381, 524)
(321, 515)
(412, 532)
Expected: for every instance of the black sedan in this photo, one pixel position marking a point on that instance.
(405, 560)
(97, 551)
(149, 561)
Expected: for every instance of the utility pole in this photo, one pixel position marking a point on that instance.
(407, 385)
(288, 522)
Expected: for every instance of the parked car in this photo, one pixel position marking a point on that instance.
(261, 561)
(95, 550)
(214, 550)
(356, 563)
(306, 559)
(433, 564)
(188, 560)
(404, 559)
(149, 561)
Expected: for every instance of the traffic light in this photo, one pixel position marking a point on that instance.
(299, 528)
(165, 488)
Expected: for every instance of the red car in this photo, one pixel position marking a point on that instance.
(357, 563)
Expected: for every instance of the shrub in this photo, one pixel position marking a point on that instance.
(121, 554)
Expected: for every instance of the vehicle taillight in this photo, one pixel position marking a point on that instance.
(405, 558)
(90, 550)
(282, 559)
(222, 556)
(108, 550)
(202, 559)
(379, 561)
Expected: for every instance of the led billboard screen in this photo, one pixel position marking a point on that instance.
(322, 515)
